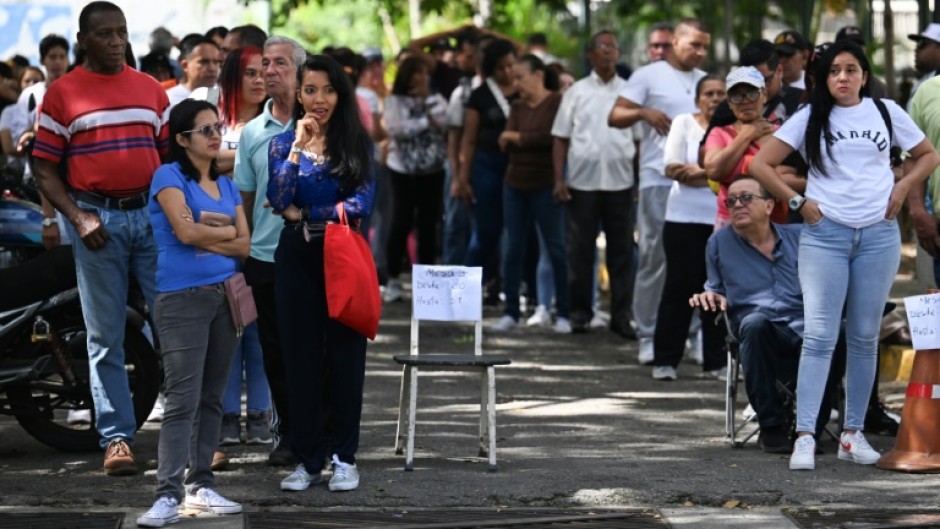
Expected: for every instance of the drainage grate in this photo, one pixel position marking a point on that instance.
(514, 519)
(864, 519)
(71, 520)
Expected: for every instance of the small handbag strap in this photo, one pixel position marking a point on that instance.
(341, 214)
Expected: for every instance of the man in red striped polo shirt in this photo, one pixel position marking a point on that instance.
(107, 123)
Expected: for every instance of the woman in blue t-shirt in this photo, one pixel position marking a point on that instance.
(323, 163)
(201, 233)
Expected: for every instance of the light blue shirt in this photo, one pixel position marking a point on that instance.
(751, 281)
(251, 176)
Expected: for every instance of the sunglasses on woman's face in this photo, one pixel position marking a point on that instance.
(208, 130)
(738, 97)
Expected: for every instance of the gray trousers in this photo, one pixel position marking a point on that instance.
(651, 271)
(197, 341)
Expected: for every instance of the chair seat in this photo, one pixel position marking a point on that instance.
(456, 360)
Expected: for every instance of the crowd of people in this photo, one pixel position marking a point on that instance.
(235, 154)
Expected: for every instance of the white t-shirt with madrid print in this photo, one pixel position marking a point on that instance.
(858, 180)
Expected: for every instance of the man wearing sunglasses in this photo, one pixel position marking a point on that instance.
(926, 55)
(752, 277)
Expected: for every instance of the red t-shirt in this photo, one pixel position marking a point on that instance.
(110, 129)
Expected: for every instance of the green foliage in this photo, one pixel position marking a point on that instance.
(353, 23)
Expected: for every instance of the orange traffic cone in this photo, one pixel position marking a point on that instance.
(917, 448)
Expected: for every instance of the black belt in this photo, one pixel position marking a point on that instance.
(108, 202)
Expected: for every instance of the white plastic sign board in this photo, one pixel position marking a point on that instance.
(447, 293)
(923, 315)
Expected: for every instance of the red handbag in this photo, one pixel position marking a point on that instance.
(352, 285)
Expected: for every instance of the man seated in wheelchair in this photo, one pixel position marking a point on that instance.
(752, 276)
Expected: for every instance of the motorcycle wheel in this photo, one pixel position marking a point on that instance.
(44, 414)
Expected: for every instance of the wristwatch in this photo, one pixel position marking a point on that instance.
(796, 202)
(48, 221)
(296, 149)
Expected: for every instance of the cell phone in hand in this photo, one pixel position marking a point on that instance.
(215, 219)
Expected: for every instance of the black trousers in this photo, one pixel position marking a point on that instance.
(260, 276)
(613, 211)
(417, 202)
(684, 245)
(316, 346)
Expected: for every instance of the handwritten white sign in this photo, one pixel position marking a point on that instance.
(447, 293)
(923, 315)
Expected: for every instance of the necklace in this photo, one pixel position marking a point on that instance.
(690, 77)
(317, 159)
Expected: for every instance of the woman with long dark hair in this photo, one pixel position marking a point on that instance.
(321, 165)
(850, 246)
(415, 119)
(201, 233)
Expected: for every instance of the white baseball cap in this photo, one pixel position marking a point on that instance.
(745, 75)
(932, 32)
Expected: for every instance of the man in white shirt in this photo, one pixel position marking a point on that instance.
(201, 60)
(654, 95)
(794, 51)
(600, 178)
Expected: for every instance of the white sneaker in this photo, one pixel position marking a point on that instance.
(79, 417)
(646, 351)
(393, 291)
(749, 413)
(664, 373)
(299, 479)
(854, 447)
(562, 326)
(506, 323)
(541, 318)
(804, 453)
(208, 500)
(164, 511)
(599, 321)
(693, 347)
(156, 415)
(345, 476)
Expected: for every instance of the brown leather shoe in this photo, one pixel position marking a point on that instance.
(118, 459)
(219, 461)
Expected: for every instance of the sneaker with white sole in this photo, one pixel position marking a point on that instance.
(506, 323)
(79, 417)
(300, 479)
(393, 291)
(804, 453)
(164, 511)
(664, 373)
(598, 321)
(854, 447)
(541, 318)
(345, 476)
(646, 352)
(156, 414)
(749, 413)
(562, 326)
(208, 500)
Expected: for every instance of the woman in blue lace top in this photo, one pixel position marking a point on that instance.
(325, 161)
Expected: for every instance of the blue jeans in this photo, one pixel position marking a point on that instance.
(852, 268)
(250, 360)
(103, 277)
(457, 225)
(197, 340)
(521, 209)
(487, 182)
(544, 276)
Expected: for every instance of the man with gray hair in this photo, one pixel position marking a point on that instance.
(279, 62)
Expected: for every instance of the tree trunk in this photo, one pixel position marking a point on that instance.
(414, 17)
(486, 11)
(889, 50)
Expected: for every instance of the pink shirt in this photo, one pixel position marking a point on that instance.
(721, 137)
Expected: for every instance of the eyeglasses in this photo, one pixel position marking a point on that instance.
(737, 98)
(744, 199)
(208, 130)
(658, 45)
(606, 46)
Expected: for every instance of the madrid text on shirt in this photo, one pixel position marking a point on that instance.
(880, 141)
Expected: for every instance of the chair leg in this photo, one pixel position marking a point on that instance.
(412, 410)
(491, 415)
(484, 411)
(730, 392)
(402, 410)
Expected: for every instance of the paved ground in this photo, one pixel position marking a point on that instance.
(580, 424)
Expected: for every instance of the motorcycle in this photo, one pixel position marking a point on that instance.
(44, 371)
